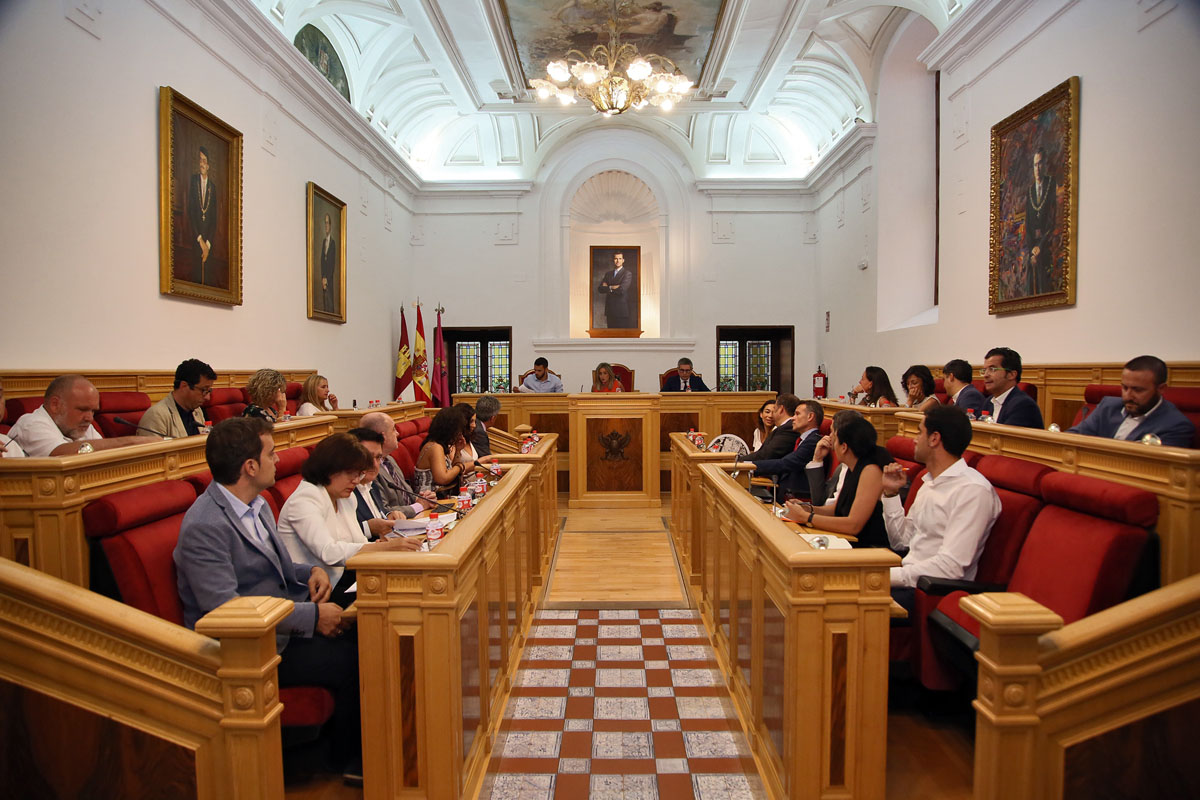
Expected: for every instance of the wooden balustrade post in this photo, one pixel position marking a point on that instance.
(1006, 717)
(250, 689)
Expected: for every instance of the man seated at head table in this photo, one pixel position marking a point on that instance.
(956, 378)
(8, 446)
(1141, 409)
(62, 425)
(391, 486)
(178, 414)
(949, 522)
(1007, 404)
(782, 439)
(793, 480)
(486, 409)
(685, 379)
(541, 380)
(229, 547)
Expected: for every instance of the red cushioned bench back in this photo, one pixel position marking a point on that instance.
(1093, 393)
(127, 405)
(223, 404)
(287, 477)
(904, 450)
(1187, 400)
(17, 407)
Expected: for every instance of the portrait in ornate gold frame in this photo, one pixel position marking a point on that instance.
(326, 246)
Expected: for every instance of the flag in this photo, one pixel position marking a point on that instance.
(404, 364)
(420, 365)
(441, 375)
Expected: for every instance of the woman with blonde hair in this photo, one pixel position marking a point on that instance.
(315, 397)
(606, 381)
(267, 390)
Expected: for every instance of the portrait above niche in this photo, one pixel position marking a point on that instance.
(319, 51)
(1035, 204)
(616, 292)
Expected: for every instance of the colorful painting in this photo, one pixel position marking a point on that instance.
(1035, 204)
(681, 30)
(616, 292)
(326, 255)
(320, 53)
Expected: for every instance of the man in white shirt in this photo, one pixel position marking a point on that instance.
(949, 522)
(541, 380)
(62, 425)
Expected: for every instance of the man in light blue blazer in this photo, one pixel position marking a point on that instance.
(1141, 409)
(228, 547)
(956, 378)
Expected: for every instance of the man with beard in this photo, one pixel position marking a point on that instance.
(1141, 409)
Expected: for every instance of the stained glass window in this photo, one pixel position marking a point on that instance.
(758, 365)
(499, 366)
(466, 361)
(727, 367)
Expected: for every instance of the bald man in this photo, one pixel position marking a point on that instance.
(393, 488)
(62, 425)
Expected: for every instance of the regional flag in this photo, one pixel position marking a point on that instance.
(420, 371)
(404, 364)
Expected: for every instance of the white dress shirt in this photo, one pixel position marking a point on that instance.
(1130, 422)
(362, 494)
(946, 528)
(37, 434)
(998, 401)
(315, 533)
(11, 448)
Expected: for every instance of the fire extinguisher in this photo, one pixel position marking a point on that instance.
(819, 382)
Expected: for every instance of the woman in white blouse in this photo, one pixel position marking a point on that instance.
(315, 397)
(318, 522)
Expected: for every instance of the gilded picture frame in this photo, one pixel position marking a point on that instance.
(615, 312)
(200, 203)
(1034, 218)
(326, 248)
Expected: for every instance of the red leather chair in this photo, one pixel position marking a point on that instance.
(662, 378)
(127, 405)
(939, 389)
(904, 450)
(412, 433)
(1080, 557)
(17, 407)
(292, 392)
(1092, 395)
(622, 373)
(287, 477)
(137, 530)
(1187, 400)
(223, 404)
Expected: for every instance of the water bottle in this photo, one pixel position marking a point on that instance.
(987, 417)
(433, 529)
(971, 414)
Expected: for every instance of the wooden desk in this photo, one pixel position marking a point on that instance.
(614, 450)
(883, 419)
(155, 383)
(1171, 473)
(42, 499)
(347, 418)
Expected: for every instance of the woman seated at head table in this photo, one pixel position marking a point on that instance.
(319, 523)
(315, 397)
(858, 509)
(464, 448)
(606, 381)
(918, 382)
(267, 390)
(875, 388)
(766, 421)
(8, 446)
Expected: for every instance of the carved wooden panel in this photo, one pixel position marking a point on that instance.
(614, 455)
(502, 421)
(740, 423)
(468, 633)
(675, 422)
(49, 748)
(1153, 757)
(554, 423)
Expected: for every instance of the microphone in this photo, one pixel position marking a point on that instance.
(138, 426)
(416, 497)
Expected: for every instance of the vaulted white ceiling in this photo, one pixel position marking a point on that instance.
(783, 82)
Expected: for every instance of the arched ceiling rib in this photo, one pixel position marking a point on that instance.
(809, 67)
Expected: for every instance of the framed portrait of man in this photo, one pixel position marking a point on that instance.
(1035, 204)
(200, 203)
(615, 281)
(326, 255)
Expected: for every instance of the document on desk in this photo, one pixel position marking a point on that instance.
(834, 542)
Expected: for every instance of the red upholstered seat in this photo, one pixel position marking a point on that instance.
(127, 405)
(412, 435)
(287, 477)
(662, 378)
(826, 425)
(138, 529)
(292, 392)
(223, 404)
(1093, 393)
(16, 407)
(1187, 400)
(904, 450)
(939, 389)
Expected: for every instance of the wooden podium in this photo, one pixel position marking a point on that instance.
(614, 450)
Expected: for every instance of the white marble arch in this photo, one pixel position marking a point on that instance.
(563, 267)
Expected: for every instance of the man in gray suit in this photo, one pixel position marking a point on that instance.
(397, 495)
(228, 547)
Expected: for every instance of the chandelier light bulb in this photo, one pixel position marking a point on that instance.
(558, 71)
(668, 104)
(639, 69)
(566, 96)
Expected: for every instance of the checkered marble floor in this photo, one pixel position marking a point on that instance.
(613, 704)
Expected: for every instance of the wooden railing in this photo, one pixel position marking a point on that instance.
(42, 499)
(348, 418)
(1104, 707)
(103, 700)
(544, 461)
(801, 634)
(883, 419)
(440, 637)
(156, 383)
(1171, 473)
(686, 511)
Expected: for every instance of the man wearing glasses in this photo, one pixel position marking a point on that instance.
(1008, 404)
(178, 414)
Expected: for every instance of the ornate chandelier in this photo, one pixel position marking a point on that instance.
(647, 80)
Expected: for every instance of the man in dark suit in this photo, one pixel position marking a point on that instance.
(202, 214)
(782, 439)
(1141, 408)
(685, 379)
(390, 484)
(228, 547)
(486, 409)
(1008, 404)
(328, 250)
(618, 286)
(371, 510)
(956, 378)
(806, 422)
(1041, 212)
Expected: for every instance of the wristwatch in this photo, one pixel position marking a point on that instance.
(808, 522)
(85, 448)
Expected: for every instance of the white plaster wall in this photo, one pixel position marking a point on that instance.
(79, 210)
(1139, 189)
